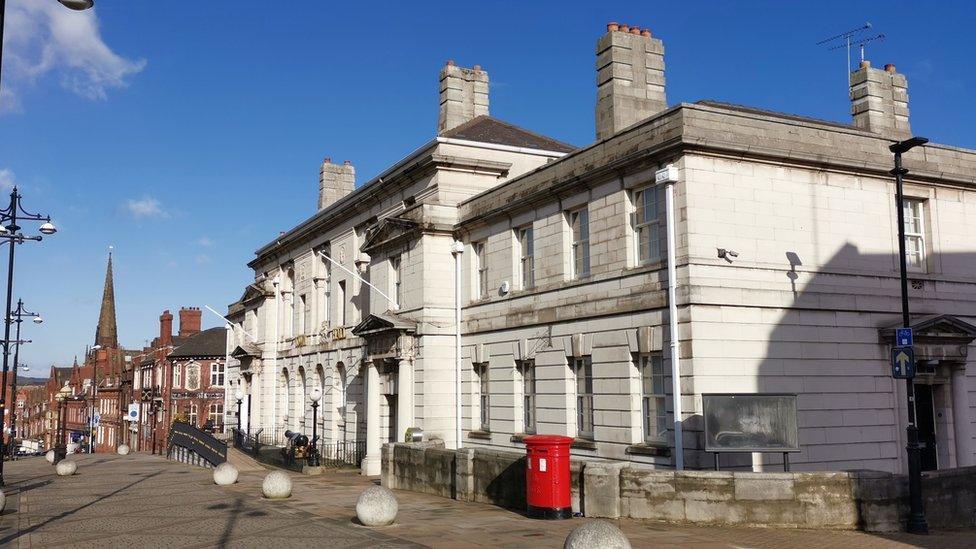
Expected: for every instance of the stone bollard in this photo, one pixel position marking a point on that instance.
(66, 468)
(225, 474)
(49, 456)
(376, 506)
(596, 534)
(123, 449)
(3, 501)
(277, 485)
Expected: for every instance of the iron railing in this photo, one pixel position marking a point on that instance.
(342, 454)
(333, 455)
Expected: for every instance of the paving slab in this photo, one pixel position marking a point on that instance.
(147, 501)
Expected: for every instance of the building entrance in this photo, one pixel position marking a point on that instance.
(925, 416)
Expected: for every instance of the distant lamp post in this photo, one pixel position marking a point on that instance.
(313, 458)
(61, 448)
(916, 514)
(17, 316)
(239, 396)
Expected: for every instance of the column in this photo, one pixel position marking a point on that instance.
(962, 423)
(404, 397)
(371, 463)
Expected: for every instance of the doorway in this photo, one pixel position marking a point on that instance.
(391, 406)
(925, 418)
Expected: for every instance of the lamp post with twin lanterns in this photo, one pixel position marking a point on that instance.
(17, 316)
(239, 396)
(313, 457)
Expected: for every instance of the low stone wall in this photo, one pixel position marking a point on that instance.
(865, 500)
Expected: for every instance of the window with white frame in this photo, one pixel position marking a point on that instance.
(216, 374)
(583, 373)
(579, 225)
(481, 267)
(191, 414)
(341, 302)
(647, 226)
(396, 281)
(915, 233)
(306, 304)
(484, 395)
(177, 376)
(526, 239)
(216, 416)
(325, 286)
(654, 415)
(526, 369)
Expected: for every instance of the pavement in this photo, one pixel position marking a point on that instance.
(146, 501)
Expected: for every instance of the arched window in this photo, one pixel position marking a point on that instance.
(339, 389)
(300, 404)
(320, 383)
(283, 396)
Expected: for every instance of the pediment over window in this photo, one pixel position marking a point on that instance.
(388, 231)
(246, 351)
(378, 323)
(937, 338)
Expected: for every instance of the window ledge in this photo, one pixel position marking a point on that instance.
(520, 437)
(482, 435)
(583, 444)
(649, 449)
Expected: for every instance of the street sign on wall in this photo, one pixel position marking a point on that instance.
(902, 363)
(133, 414)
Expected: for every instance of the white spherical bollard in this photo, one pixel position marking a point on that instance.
(3, 501)
(596, 534)
(123, 449)
(277, 485)
(66, 468)
(49, 456)
(376, 506)
(72, 447)
(225, 474)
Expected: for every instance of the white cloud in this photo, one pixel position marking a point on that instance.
(146, 207)
(7, 180)
(45, 38)
(206, 242)
(203, 259)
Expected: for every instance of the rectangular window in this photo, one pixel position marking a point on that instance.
(481, 266)
(653, 412)
(583, 372)
(484, 396)
(177, 376)
(526, 256)
(216, 416)
(191, 414)
(647, 239)
(914, 234)
(579, 224)
(341, 302)
(527, 369)
(306, 314)
(216, 374)
(396, 281)
(296, 315)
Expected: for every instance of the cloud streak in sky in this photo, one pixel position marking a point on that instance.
(145, 208)
(44, 38)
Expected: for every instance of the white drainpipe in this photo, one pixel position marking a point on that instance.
(669, 176)
(457, 249)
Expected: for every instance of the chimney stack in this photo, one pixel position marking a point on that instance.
(464, 95)
(335, 182)
(879, 101)
(629, 78)
(190, 321)
(165, 328)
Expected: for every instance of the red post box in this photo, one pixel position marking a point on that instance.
(547, 478)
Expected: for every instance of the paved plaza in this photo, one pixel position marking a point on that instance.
(146, 501)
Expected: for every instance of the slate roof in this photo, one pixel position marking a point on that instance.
(208, 343)
(486, 129)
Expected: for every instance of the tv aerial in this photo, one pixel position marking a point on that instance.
(852, 38)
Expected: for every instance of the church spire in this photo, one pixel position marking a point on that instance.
(106, 334)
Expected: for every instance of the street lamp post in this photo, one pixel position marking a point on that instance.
(313, 458)
(94, 396)
(10, 231)
(916, 515)
(61, 448)
(18, 317)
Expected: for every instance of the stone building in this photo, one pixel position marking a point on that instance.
(784, 278)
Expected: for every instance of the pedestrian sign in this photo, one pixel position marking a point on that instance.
(97, 419)
(902, 363)
(904, 337)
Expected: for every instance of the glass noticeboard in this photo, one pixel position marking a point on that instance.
(750, 422)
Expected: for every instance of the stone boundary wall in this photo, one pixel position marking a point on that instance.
(862, 500)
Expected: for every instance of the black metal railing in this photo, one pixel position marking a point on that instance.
(342, 454)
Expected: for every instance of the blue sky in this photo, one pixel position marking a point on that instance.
(186, 134)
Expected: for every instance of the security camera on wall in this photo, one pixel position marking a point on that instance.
(505, 288)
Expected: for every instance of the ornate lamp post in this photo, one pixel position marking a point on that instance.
(239, 396)
(10, 231)
(313, 458)
(17, 316)
(61, 449)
